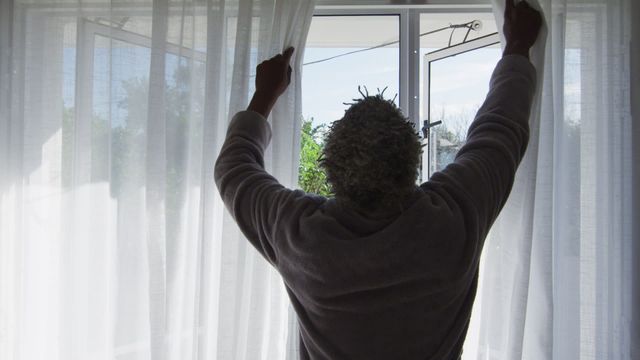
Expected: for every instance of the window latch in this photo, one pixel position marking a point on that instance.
(427, 125)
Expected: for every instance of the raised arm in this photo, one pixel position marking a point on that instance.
(254, 198)
(483, 172)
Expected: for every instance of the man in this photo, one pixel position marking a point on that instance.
(386, 269)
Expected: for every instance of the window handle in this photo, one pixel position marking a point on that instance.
(427, 125)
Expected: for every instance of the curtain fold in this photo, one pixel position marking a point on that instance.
(556, 274)
(113, 239)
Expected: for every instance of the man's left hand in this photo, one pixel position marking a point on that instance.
(272, 79)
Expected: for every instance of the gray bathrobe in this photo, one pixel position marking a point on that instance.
(385, 285)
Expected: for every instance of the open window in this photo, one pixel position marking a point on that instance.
(456, 81)
(437, 60)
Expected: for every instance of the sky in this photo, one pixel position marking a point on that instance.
(327, 85)
(458, 84)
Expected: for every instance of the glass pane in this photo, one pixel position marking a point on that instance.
(458, 84)
(458, 87)
(443, 33)
(327, 84)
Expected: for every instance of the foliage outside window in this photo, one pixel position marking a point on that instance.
(311, 177)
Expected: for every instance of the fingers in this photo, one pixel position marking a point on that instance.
(523, 5)
(509, 7)
(285, 56)
(513, 11)
(288, 53)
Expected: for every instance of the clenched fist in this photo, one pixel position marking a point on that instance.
(272, 79)
(521, 27)
(274, 75)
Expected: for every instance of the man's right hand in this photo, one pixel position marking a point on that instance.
(521, 27)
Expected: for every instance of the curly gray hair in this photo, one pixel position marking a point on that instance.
(371, 155)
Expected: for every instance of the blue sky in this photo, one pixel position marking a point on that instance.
(327, 85)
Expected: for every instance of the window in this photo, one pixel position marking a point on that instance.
(114, 70)
(437, 59)
(114, 87)
(456, 67)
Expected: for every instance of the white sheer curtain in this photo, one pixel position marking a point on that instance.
(556, 277)
(113, 241)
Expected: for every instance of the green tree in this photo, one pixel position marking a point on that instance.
(311, 177)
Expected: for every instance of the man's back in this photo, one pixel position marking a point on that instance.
(396, 285)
